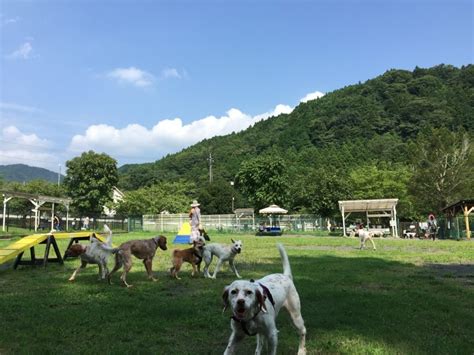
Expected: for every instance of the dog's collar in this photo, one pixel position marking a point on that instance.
(243, 323)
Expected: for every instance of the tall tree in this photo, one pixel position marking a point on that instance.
(384, 181)
(443, 164)
(89, 181)
(263, 180)
(319, 191)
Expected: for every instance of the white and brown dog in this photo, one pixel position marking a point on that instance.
(255, 305)
(224, 253)
(95, 252)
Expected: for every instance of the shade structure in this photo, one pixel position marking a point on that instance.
(273, 209)
(385, 207)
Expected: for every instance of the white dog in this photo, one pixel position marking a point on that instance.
(255, 305)
(224, 253)
(95, 252)
(365, 236)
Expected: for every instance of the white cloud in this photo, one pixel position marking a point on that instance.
(7, 106)
(132, 75)
(17, 147)
(10, 21)
(312, 96)
(25, 51)
(167, 136)
(171, 73)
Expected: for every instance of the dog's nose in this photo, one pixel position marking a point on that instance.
(240, 302)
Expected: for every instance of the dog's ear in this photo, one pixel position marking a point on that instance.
(261, 301)
(225, 298)
(162, 242)
(232, 240)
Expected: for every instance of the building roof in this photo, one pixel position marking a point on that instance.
(385, 204)
(458, 206)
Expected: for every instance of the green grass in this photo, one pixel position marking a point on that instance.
(408, 297)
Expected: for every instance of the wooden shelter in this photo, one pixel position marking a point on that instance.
(37, 201)
(464, 206)
(372, 208)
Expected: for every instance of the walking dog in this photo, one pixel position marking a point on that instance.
(142, 249)
(255, 305)
(365, 236)
(95, 252)
(191, 255)
(224, 253)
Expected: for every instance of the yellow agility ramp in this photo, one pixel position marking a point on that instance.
(13, 250)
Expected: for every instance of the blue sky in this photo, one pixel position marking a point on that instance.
(140, 79)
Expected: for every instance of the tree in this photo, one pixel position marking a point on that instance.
(173, 197)
(89, 181)
(319, 191)
(263, 180)
(443, 164)
(384, 181)
(217, 197)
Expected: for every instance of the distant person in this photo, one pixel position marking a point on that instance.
(195, 221)
(85, 224)
(432, 227)
(329, 225)
(57, 223)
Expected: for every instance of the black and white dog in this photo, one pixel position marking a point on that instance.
(256, 304)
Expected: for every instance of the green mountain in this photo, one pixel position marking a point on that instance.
(25, 173)
(365, 123)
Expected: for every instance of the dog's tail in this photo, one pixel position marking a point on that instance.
(109, 236)
(285, 261)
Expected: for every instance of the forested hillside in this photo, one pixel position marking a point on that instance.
(25, 173)
(369, 140)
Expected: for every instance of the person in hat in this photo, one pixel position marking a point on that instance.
(432, 226)
(195, 221)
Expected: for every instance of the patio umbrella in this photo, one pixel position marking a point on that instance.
(273, 209)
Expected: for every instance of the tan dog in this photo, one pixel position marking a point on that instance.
(142, 249)
(191, 255)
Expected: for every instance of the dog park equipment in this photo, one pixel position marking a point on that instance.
(37, 201)
(184, 234)
(372, 208)
(17, 249)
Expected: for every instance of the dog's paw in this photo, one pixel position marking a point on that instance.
(71, 279)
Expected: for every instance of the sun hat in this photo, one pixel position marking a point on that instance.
(195, 203)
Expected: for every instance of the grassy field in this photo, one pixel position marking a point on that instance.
(408, 297)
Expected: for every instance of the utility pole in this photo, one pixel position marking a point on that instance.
(59, 174)
(210, 166)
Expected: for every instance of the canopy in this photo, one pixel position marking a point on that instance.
(273, 209)
(373, 208)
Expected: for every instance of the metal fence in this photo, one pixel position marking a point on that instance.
(234, 223)
(116, 223)
(454, 228)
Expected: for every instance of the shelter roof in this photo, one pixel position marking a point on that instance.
(42, 198)
(458, 206)
(385, 204)
(273, 209)
(243, 211)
